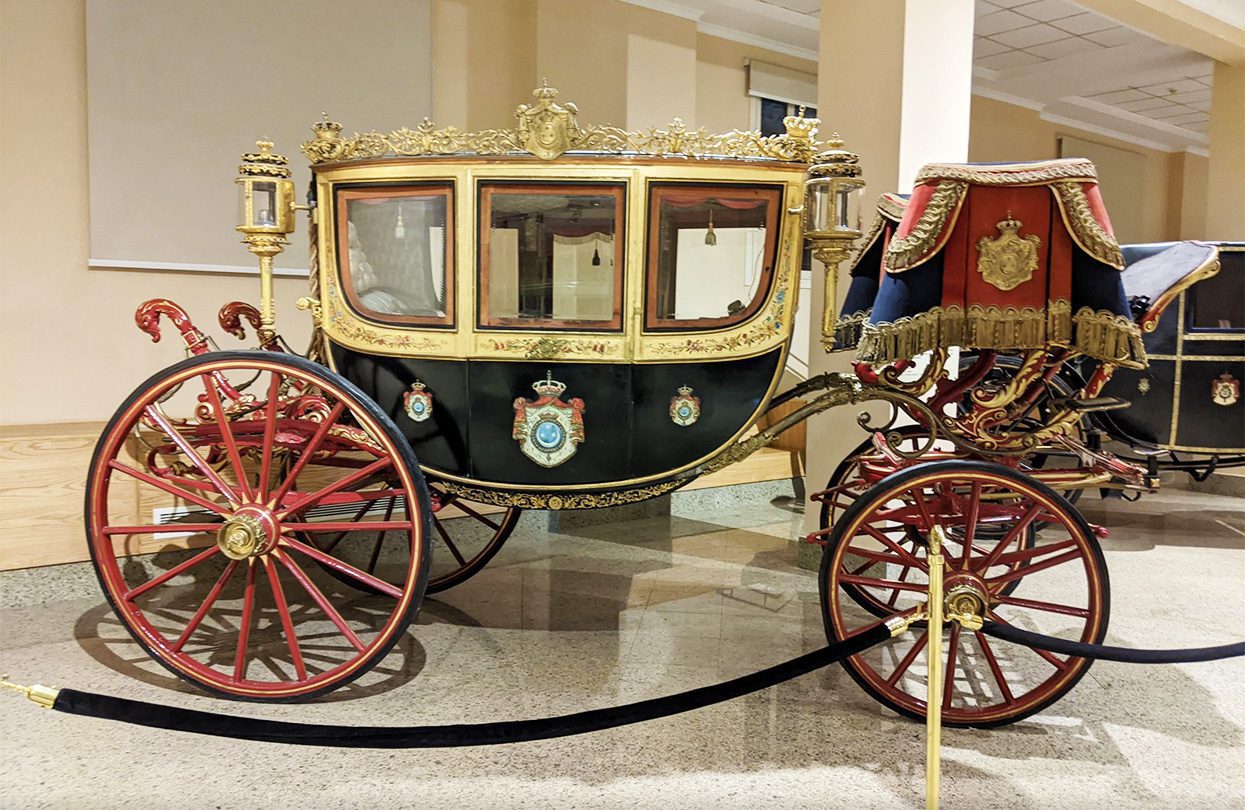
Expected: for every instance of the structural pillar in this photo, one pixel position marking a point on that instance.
(1225, 211)
(895, 81)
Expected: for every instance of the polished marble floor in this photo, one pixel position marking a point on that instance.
(606, 613)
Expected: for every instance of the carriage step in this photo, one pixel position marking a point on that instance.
(1095, 404)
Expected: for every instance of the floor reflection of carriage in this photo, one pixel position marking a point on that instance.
(567, 317)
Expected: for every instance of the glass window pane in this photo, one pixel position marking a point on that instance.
(395, 252)
(772, 113)
(711, 254)
(1215, 304)
(549, 256)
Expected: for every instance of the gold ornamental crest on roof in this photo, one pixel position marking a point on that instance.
(548, 129)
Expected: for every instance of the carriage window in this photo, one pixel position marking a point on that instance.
(551, 255)
(711, 254)
(1215, 304)
(394, 252)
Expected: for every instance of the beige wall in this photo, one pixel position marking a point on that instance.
(1001, 131)
(69, 349)
(722, 101)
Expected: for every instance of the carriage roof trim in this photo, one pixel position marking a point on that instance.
(548, 130)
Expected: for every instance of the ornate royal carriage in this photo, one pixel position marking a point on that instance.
(560, 316)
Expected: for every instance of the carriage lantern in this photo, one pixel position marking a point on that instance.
(831, 217)
(265, 216)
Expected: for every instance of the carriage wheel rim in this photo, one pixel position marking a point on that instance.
(274, 554)
(1013, 707)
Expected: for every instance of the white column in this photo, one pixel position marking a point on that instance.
(937, 85)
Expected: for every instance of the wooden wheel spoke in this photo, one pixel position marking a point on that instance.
(172, 572)
(176, 492)
(208, 601)
(332, 544)
(287, 623)
(445, 536)
(244, 631)
(1027, 554)
(1049, 607)
(270, 432)
(164, 528)
(1033, 568)
(308, 450)
(870, 582)
(995, 669)
(361, 526)
(907, 556)
(343, 568)
(202, 466)
(355, 477)
(878, 556)
(1055, 661)
(483, 519)
(907, 660)
(320, 599)
(226, 432)
(948, 679)
(1009, 538)
(970, 523)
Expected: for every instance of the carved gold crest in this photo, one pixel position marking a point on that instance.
(1009, 260)
(547, 128)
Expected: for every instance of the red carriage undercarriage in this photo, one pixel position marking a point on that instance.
(309, 529)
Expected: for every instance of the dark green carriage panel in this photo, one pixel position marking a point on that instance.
(1149, 393)
(1203, 424)
(440, 441)
(628, 432)
(729, 391)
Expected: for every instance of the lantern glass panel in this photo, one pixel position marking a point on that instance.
(818, 207)
(263, 204)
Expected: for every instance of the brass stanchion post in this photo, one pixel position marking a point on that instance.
(933, 697)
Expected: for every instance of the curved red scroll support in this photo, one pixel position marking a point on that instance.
(231, 316)
(147, 316)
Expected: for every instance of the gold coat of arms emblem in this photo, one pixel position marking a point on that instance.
(1225, 390)
(547, 128)
(1008, 260)
(547, 429)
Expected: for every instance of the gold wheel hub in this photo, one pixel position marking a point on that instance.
(249, 532)
(966, 601)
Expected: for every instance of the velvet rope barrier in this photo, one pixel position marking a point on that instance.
(1103, 652)
(174, 718)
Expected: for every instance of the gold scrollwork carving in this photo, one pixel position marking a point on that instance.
(559, 500)
(548, 130)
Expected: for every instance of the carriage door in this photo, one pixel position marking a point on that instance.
(1210, 360)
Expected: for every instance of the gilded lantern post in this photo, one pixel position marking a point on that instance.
(265, 217)
(831, 219)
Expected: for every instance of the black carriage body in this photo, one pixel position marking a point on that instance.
(629, 435)
(467, 283)
(1189, 399)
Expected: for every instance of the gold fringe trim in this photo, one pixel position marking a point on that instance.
(937, 220)
(892, 207)
(1089, 235)
(1109, 337)
(1011, 174)
(1102, 335)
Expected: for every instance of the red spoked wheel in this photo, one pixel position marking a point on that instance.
(848, 482)
(204, 494)
(1054, 582)
(465, 536)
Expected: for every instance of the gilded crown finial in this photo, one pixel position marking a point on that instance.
(325, 129)
(800, 128)
(545, 91)
(264, 162)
